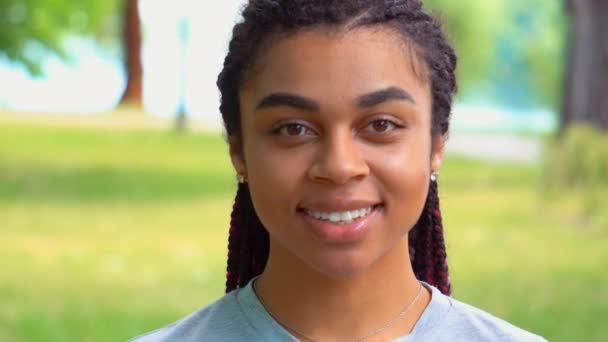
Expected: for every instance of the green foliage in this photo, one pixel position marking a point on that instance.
(542, 40)
(528, 33)
(474, 37)
(32, 28)
(578, 164)
(106, 234)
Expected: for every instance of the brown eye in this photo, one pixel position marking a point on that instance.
(382, 126)
(294, 130)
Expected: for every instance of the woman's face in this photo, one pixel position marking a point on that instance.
(336, 146)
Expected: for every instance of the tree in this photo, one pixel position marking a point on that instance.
(30, 29)
(585, 97)
(132, 95)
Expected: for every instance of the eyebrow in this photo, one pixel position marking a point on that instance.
(287, 99)
(364, 101)
(384, 95)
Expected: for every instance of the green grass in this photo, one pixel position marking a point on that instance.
(105, 234)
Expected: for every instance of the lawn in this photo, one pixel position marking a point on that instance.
(108, 233)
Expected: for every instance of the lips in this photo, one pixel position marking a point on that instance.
(341, 221)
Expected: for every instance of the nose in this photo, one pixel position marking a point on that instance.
(339, 160)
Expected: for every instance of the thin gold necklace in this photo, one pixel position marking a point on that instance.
(362, 338)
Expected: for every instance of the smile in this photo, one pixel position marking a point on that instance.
(342, 222)
(340, 217)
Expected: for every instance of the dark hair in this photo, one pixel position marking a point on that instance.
(248, 242)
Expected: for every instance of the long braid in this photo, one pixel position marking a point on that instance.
(247, 242)
(427, 245)
(234, 242)
(440, 266)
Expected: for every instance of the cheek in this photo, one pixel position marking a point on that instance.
(273, 177)
(268, 165)
(404, 164)
(403, 176)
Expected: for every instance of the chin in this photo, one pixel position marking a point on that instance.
(341, 267)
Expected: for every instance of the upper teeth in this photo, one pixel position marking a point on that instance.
(340, 216)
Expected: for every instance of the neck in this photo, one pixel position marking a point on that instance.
(346, 308)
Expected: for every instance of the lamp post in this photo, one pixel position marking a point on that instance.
(180, 119)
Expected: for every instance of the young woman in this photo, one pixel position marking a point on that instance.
(336, 114)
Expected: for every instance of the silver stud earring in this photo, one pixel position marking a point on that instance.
(434, 176)
(240, 178)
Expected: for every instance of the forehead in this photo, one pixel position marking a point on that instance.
(326, 64)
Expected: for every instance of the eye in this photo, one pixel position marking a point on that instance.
(381, 126)
(293, 130)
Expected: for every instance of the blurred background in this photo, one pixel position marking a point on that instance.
(116, 187)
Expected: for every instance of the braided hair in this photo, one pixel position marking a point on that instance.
(248, 242)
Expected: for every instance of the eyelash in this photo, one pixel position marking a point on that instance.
(394, 125)
(279, 130)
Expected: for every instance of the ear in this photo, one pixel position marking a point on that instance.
(236, 155)
(437, 153)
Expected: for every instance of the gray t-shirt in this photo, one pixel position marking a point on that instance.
(239, 316)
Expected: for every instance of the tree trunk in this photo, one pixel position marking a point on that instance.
(132, 54)
(585, 99)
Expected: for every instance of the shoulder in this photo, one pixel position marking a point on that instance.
(447, 319)
(469, 321)
(464, 322)
(221, 320)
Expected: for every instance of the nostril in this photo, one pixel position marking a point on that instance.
(339, 172)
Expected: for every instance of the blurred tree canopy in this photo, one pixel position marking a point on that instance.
(516, 44)
(29, 29)
(542, 33)
(473, 27)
